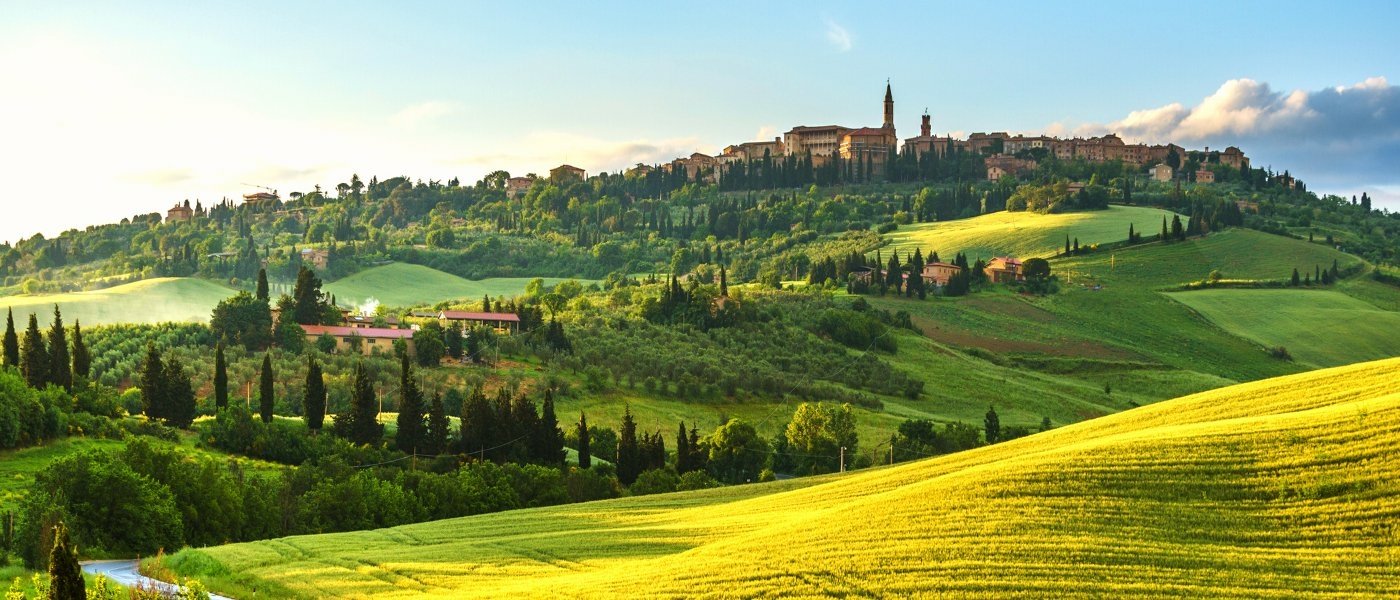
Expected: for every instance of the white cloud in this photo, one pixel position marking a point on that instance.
(765, 133)
(423, 112)
(838, 36)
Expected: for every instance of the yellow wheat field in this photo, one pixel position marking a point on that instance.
(1283, 488)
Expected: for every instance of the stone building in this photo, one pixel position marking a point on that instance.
(180, 213)
(566, 173)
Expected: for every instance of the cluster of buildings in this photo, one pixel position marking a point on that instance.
(1000, 269)
(359, 333)
(1005, 154)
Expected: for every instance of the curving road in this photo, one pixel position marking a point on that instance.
(125, 572)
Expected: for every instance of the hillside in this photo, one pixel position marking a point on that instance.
(1320, 328)
(149, 301)
(1276, 488)
(402, 284)
(1025, 234)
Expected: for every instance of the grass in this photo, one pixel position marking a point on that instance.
(402, 284)
(1025, 234)
(1320, 328)
(1280, 488)
(149, 301)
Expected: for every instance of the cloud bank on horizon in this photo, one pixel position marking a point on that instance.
(1342, 139)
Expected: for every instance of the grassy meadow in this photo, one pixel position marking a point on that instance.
(402, 284)
(1025, 234)
(1276, 488)
(149, 301)
(1320, 328)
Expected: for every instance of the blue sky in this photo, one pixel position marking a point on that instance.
(110, 111)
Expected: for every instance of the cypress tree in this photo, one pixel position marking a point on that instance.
(65, 574)
(34, 356)
(628, 454)
(682, 451)
(549, 439)
(412, 419)
(1294, 281)
(364, 427)
(1132, 237)
(1163, 236)
(82, 358)
(1067, 242)
(153, 384)
(60, 369)
(313, 401)
(993, 425)
(524, 431)
(178, 394)
(585, 457)
(478, 421)
(220, 376)
(11, 342)
(723, 282)
(698, 459)
(439, 432)
(262, 285)
(266, 400)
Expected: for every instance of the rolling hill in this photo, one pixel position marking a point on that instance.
(149, 301)
(402, 285)
(1278, 488)
(1321, 328)
(1025, 234)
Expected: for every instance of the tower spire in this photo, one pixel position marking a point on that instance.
(889, 106)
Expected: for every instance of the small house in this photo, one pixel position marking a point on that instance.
(501, 322)
(368, 340)
(1004, 269)
(938, 273)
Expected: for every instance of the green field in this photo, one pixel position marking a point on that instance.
(1278, 488)
(149, 301)
(1025, 234)
(402, 285)
(1321, 328)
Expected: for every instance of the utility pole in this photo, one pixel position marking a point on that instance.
(843, 459)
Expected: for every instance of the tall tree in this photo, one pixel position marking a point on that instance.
(65, 574)
(313, 400)
(310, 304)
(439, 428)
(478, 424)
(549, 439)
(11, 342)
(361, 422)
(992, 425)
(34, 356)
(153, 383)
(266, 392)
(82, 357)
(178, 394)
(585, 456)
(412, 419)
(60, 368)
(682, 450)
(261, 293)
(220, 376)
(629, 458)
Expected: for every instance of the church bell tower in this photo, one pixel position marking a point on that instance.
(889, 106)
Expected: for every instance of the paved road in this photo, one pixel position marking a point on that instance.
(125, 573)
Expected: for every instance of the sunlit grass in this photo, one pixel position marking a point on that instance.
(1277, 488)
(149, 301)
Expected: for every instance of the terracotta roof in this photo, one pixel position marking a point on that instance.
(462, 315)
(567, 167)
(868, 131)
(802, 128)
(1008, 260)
(942, 264)
(367, 332)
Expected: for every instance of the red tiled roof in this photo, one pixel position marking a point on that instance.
(462, 315)
(942, 264)
(367, 332)
(868, 131)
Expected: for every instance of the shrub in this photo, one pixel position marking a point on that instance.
(696, 480)
(655, 481)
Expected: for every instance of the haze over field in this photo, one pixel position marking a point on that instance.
(145, 117)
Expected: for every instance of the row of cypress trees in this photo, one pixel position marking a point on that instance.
(46, 359)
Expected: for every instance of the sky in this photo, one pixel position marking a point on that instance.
(110, 110)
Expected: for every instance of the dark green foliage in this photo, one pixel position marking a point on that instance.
(267, 392)
(34, 356)
(585, 456)
(629, 456)
(478, 425)
(454, 340)
(548, 441)
(60, 367)
(736, 452)
(153, 384)
(65, 575)
(555, 338)
(683, 453)
(439, 437)
(992, 426)
(921, 438)
(313, 402)
(360, 424)
(11, 342)
(178, 394)
(220, 377)
(82, 357)
(287, 333)
(429, 345)
(243, 319)
(412, 418)
(261, 290)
